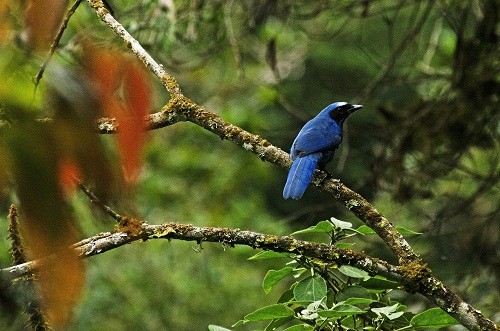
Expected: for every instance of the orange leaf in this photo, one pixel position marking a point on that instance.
(102, 70)
(61, 278)
(133, 132)
(42, 20)
(137, 91)
(107, 69)
(46, 218)
(5, 27)
(68, 172)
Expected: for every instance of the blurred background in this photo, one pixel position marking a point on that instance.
(424, 150)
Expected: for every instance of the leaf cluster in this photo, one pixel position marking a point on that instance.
(328, 297)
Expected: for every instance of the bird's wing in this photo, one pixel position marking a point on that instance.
(312, 139)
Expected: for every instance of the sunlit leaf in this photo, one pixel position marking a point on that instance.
(268, 255)
(365, 229)
(341, 310)
(274, 276)
(312, 288)
(217, 328)
(340, 224)
(270, 312)
(433, 318)
(354, 272)
(321, 227)
(390, 312)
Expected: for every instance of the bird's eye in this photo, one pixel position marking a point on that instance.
(340, 113)
(344, 108)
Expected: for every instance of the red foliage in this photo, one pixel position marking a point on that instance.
(111, 72)
(68, 172)
(42, 19)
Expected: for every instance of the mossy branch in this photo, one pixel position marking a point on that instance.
(134, 230)
(414, 277)
(37, 320)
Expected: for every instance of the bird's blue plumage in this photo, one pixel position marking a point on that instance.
(314, 146)
(300, 175)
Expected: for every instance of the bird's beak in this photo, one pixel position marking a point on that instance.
(354, 108)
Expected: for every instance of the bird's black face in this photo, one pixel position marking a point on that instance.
(340, 113)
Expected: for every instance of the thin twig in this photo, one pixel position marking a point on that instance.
(393, 59)
(56, 41)
(95, 200)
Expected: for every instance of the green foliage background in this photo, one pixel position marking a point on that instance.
(424, 150)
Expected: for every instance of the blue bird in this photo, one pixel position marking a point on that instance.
(314, 146)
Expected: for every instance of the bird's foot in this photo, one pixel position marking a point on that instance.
(326, 176)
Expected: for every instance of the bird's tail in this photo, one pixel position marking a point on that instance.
(300, 175)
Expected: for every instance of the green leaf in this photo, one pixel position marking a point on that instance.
(239, 323)
(407, 232)
(217, 328)
(268, 255)
(300, 327)
(391, 312)
(365, 229)
(343, 245)
(341, 310)
(354, 291)
(286, 296)
(359, 301)
(278, 322)
(312, 288)
(433, 318)
(270, 312)
(354, 272)
(378, 283)
(321, 227)
(273, 277)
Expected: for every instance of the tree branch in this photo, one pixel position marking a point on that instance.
(414, 278)
(181, 108)
(95, 200)
(109, 240)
